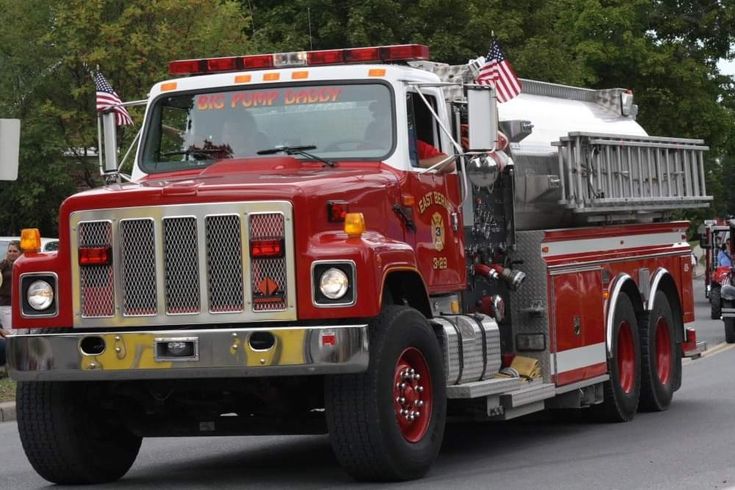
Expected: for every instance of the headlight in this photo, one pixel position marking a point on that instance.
(40, 295)
(334, 283)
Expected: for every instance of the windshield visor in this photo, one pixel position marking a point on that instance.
(343, 122)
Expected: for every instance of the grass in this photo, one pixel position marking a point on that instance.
(7, 390)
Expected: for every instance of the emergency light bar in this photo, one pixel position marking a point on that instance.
(376, 54)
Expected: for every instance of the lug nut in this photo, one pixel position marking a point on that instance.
(420, 403)
(420, 389)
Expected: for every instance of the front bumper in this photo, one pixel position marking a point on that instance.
(214, 353)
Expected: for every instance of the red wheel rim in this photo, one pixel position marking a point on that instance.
(626, 357)
(412, 394)
(663, 351)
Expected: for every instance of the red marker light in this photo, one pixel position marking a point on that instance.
(95, 256)
(266, 248)
(223, 64)
(329, 339)
(326, 57)
(186, 67)
(336, 211)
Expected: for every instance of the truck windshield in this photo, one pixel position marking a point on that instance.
(346, 121)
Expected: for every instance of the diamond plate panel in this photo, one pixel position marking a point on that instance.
(224, 263)
(268, 275)
(181, 265)
(97, 281)
(529, 305)
(138, 269)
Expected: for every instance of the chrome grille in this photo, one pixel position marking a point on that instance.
(224, 263)
(268, 275)
(96, 283)
(138, 256)
(181, 265)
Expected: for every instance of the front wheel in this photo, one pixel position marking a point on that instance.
(69, 437)
(388, 423)
(622, 390)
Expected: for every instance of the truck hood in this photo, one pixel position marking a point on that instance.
(278, 178)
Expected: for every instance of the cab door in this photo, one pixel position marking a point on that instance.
(438, 238)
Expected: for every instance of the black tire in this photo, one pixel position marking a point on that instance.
(660, 355)
(622, 390)
(729, 327)
(362, 412)
(68, 437)
(715, 302)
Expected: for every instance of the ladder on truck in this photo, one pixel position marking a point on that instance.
(607, 173)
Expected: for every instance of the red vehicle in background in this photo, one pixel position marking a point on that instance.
(716, 232)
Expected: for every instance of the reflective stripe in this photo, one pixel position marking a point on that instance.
(580, 357)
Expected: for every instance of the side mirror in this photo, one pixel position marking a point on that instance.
(704, 241)
(9, 148)
(482, 106)
(108, 157)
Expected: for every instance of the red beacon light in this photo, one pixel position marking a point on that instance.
(376, 54)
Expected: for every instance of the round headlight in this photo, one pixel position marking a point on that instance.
(334, 283)
(40, 295)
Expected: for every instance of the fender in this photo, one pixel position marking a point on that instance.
(728, 292)
(660, 274)
(375, 257)
(617, 286)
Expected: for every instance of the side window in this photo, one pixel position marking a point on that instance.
(421, 125)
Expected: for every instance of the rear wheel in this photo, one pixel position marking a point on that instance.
(68, 437)
(715, 302)
(660, 356)
(388, 423)
(729, 326)
(622, 390)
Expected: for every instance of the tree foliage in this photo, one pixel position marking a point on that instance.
(664, 50)
(46, 55)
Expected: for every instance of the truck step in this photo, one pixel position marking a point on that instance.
(535, 392)
(478, 389)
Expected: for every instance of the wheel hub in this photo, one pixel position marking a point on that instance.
(412, 394)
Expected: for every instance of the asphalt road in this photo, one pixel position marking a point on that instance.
(688, 446)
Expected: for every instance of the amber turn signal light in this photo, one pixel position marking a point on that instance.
(354, 224)
(30, 240)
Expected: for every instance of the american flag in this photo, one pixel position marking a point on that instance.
(106, 98)
(498, 72)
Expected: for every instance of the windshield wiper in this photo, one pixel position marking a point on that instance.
(296, 150)
(194, 152)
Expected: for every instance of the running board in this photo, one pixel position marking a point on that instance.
(478, 389)
(536, 392)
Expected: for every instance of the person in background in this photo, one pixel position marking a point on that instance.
(723, 256)
(3, 334)
(6, 281)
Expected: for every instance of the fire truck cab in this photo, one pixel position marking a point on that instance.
(360, 242)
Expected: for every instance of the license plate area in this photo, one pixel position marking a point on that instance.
(170, 349)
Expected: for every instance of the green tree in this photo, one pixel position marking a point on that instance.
(46, 54)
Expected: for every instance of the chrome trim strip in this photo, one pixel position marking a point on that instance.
(610, 309)
(660, 273)
(561, 267)
(223, 353)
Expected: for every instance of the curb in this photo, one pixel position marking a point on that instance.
(7, 411)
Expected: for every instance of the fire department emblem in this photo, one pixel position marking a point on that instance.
(437, 231)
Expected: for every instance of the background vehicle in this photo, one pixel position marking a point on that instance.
(713, 238)
(316, 278)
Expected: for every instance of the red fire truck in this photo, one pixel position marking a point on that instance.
(285, 259)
